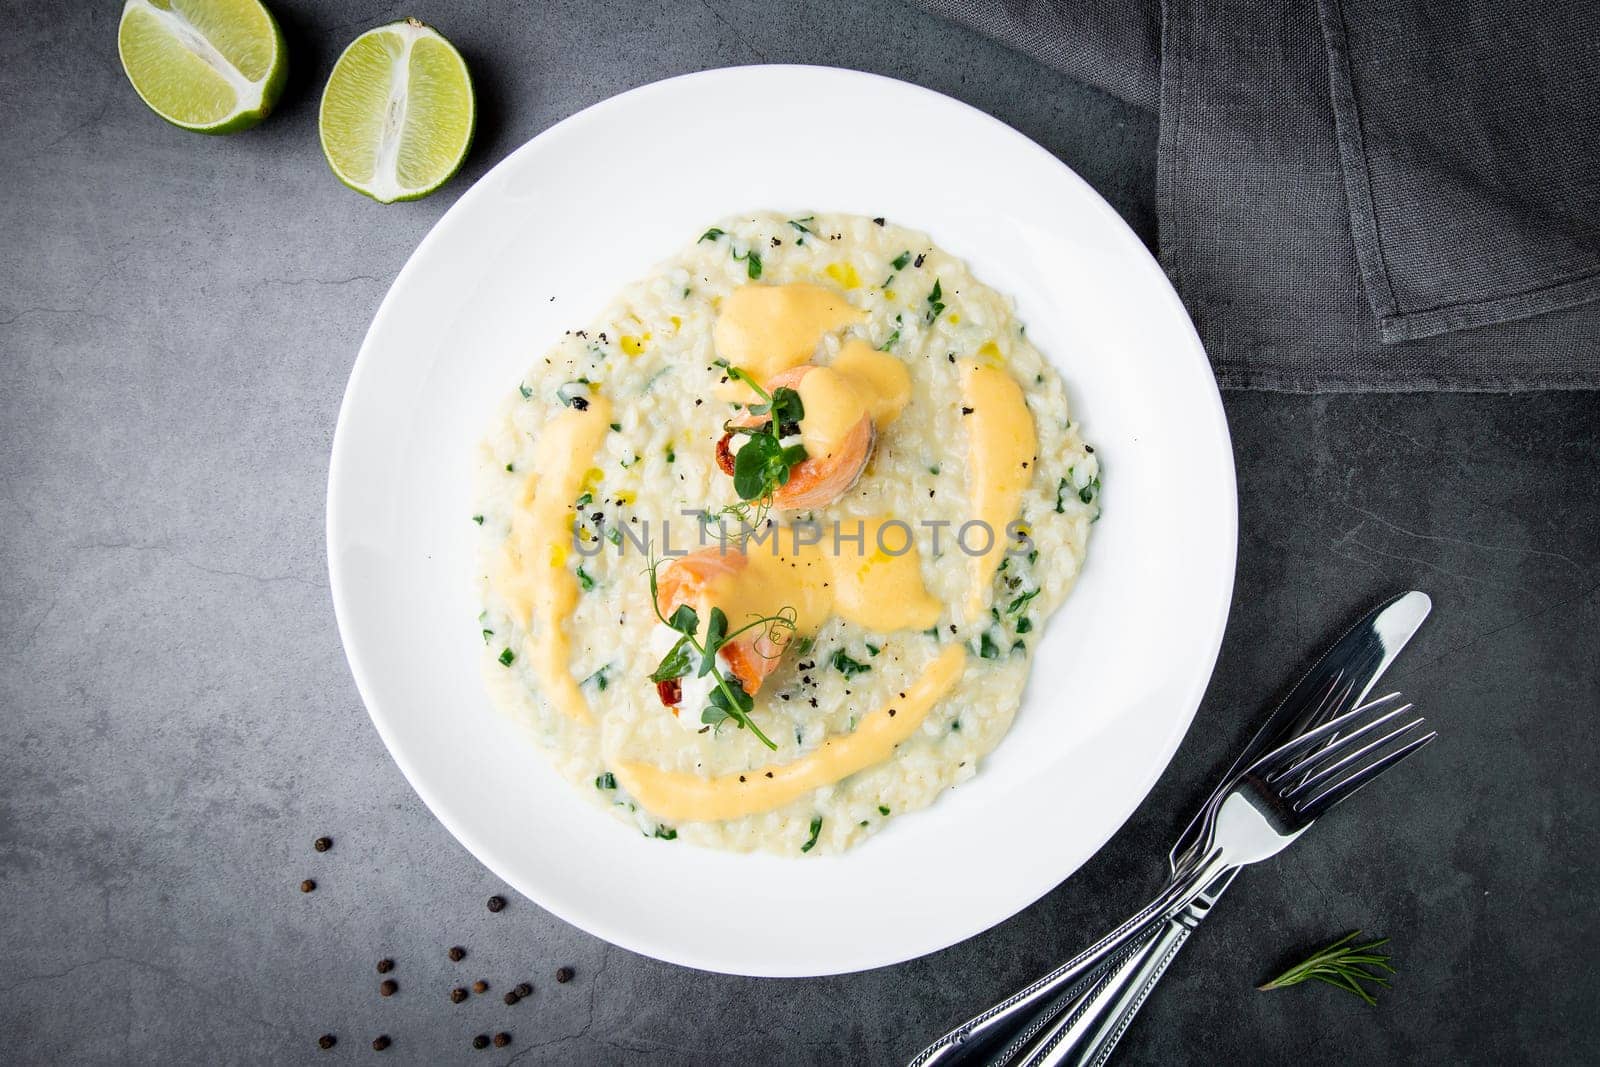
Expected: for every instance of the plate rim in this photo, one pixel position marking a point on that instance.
(596, 923)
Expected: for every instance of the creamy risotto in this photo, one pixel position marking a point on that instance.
(767, 547)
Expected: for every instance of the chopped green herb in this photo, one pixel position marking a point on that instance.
(486, 635)
(599, 678)
(585, 582)
(710, 235)
(1021, 602)
(478, 519)
(800, 224)
(987, 649)
(508, 468)
(1018, 646)
(527, 394)
(614, 535)
(847, 666)
(899, 262)
(752, 263)
(1061, 496)
(506, 657)
(672, 457)
(583, 501)
(890, 343)
(933, 632)
(934, 469)
(666, 833)
(935, 303)
(616, 427)
(816, 828)
(606, 781)
(1024, 625)
(955, 726)
(883, 809)
(1090, 491)
(803, 645)
(872, 649)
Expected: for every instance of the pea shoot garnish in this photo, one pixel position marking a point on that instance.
(762, 465)
(692, 654)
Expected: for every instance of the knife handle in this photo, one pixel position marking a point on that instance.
(1088, 1037)
(1088, 1029)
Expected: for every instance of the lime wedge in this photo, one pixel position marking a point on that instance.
(398, 113)
(213, 66)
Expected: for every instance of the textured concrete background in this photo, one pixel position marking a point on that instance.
(177, 319)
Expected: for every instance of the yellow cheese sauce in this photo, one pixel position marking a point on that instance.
(766, 329)
(1001, 451)
(881, 381)
(684, 797)
(877, 588)
(860, 383)
(533, 578)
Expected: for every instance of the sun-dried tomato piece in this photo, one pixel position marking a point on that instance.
(725, 454)
(670, 692)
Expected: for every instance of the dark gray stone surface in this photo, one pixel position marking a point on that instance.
(177, 319)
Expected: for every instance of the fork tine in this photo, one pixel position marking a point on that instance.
(1316, 778)
(1340, 744)
(1281, 757)
(1339, 792)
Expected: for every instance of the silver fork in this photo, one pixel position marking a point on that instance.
(1268, 806)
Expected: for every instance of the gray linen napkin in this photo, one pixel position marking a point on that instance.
(1362, 194)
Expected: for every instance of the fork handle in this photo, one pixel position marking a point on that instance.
(1087, 1038)
(1007, 1029)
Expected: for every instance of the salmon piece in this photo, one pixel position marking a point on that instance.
(816, 481)
(693, 579)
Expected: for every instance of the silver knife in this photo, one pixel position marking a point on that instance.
(1353, 665)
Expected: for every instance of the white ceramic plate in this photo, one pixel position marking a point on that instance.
(538, 246)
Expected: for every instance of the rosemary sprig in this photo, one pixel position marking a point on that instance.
(729, 699)
(1343, 966)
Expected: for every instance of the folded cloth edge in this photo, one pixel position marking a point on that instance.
(1395, 325)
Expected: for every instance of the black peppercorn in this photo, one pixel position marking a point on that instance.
(481, 1041)
(480, 986)
(564, 974)
(385, 965)
(524, 990)
(458, 954)
(307, 886)
(322, 844)
(380, 1042)
(327, 1041)
(457, 995)
(497, 903)
(502, 1039)
(511, 998)
(387, 987)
